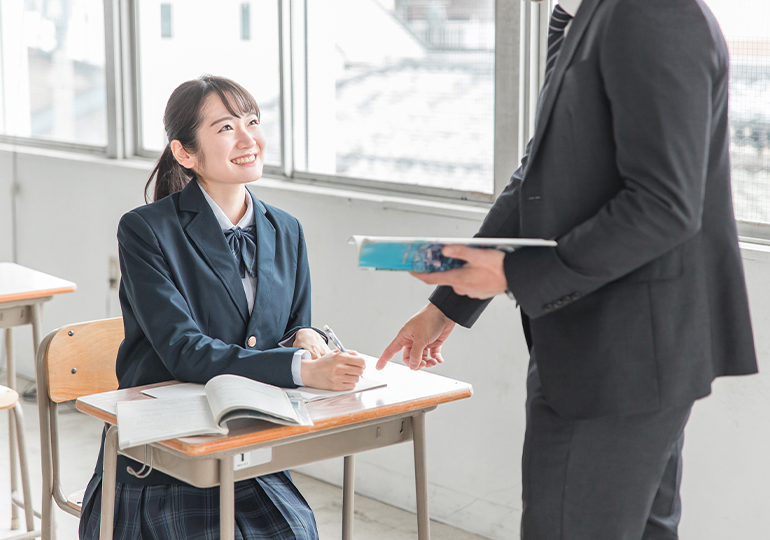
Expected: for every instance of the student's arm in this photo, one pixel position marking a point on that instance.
(299, 333)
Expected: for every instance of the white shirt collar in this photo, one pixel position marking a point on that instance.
(224, 221)
(570, 6)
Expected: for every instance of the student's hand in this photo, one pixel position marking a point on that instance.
(482, 276)
(333, 371)
(311, 341)
(421, 338)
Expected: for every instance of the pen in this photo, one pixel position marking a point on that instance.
(331, 335)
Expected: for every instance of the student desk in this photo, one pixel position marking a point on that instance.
(344, 425)
(22, 293)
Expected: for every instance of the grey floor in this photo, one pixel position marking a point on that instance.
(80, 444)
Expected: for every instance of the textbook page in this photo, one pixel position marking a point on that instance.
(149, 420)
(227, 393)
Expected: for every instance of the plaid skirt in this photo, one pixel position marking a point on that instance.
(270, 506)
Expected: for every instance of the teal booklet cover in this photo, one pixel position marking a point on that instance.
(415, 254)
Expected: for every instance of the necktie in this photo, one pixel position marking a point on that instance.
(559, 21)
(243, 244)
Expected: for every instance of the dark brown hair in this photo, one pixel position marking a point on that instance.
(183, 117)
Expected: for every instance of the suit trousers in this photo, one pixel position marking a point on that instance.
(609, 478)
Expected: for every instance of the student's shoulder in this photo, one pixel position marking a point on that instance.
(279, 218)
(151, 216)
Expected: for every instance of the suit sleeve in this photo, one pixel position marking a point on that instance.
(658, 64)
(165, 318)
(502, 221)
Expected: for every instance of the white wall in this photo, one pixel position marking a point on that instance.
(68, 209)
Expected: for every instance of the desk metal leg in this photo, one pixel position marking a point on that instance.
(10, 360)
(108, 483)
(29, 512)
(348, 493)
(421, 475)
(226, 499)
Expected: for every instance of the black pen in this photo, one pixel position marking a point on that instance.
(331, 335)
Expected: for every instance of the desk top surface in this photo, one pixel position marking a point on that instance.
(21, 283)
(406, 391)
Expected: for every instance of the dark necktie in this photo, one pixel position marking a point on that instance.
(559, 21)
(243, 244)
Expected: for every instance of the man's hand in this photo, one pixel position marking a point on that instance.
(482, 276)
(421, 338)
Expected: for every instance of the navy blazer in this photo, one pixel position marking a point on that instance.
(643, 302)
(184, 307)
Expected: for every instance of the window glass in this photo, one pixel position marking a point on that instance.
(746, 26)
(52, 79)
(397, 90)
(207, 37)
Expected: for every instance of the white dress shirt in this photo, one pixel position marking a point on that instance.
(571, 7)
(249, 282)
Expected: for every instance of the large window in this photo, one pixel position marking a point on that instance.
(180, 40)
(52, 72)
(746, 26)
(396, 91)
(398, 94)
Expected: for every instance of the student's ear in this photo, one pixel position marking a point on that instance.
(184, 158)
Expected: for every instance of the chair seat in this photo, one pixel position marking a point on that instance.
(8, 398)
(75, 500)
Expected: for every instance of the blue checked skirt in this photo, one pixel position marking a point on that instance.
(270, 506)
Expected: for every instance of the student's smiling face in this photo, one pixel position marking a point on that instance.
(231, 148)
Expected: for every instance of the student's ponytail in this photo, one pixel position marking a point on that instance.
(169, 176)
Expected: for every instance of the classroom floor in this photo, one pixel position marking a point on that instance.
(80, 445)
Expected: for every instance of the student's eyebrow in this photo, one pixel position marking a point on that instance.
(224, 118)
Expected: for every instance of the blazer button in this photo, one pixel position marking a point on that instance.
(252, 341)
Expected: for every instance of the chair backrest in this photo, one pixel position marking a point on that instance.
(73, 361)
(80, 359)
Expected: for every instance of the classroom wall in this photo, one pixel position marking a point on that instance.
(67, 212)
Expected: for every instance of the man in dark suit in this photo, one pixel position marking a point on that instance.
(643, 302)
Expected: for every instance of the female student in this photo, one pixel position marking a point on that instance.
(213, 281)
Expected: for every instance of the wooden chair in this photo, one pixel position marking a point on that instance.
(9, 400)
(73, 361)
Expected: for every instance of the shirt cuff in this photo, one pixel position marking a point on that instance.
(296, 365)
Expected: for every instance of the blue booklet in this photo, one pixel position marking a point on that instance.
(422, 254)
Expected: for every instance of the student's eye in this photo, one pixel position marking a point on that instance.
(226, 127)
(254, 122)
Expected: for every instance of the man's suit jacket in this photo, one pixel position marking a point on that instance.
(643, 302)
(184, 307)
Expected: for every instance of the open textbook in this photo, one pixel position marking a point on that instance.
(423, 254)
(225, 398)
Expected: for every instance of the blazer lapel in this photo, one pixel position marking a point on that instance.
(265, 259)
(204, 231)
(548, 99)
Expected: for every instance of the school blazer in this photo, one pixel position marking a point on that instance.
(643, 302)
(184, 307)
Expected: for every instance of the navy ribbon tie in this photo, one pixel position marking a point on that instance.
(244, 247)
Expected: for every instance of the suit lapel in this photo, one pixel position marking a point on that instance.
(548, 99)
(204, 231)
(265, 259)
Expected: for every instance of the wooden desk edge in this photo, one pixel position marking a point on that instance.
(42, 293)
(247, 439)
